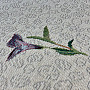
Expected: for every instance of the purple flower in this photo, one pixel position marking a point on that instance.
(19, 45)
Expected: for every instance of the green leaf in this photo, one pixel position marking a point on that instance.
(70, 43)
(46, 33)
(74, 50)
(40, 38)
(67, 52)
(64, 51)
(45, 36)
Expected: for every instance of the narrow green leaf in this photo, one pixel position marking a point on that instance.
(83, 53)
(64, 51)
(46, 33)
(40, 38)
(74, 50)
(67, 52)
(70, 43)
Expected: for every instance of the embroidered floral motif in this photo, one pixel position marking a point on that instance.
(20, 46)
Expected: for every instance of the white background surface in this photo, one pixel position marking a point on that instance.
(45, 69)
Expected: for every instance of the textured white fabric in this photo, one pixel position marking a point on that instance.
(45, 69)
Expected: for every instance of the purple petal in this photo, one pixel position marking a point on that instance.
(14, 53)
(12, 43)
(32, 46)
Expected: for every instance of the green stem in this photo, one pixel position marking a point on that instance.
(62, 46)
(48, 40)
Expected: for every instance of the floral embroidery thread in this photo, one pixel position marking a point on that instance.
(20, 46)
(68, 51)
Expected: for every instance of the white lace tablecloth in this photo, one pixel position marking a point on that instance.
(45, 69)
